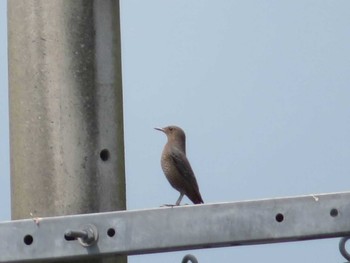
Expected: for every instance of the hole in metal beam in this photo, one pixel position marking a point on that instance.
(111, 232)
(279, 217)
(28, 239)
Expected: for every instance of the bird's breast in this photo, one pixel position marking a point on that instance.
(171, 172)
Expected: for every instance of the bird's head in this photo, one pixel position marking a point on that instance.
(174, 134)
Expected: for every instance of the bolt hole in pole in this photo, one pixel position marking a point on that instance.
(28, 240)
(279, 217)
(104, 155)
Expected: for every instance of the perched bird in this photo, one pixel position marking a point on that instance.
(176, 166)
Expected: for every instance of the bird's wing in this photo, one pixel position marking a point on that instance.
(183, 166)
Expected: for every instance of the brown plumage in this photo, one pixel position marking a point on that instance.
(176, 166)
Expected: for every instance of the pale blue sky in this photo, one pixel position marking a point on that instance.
(262, 89)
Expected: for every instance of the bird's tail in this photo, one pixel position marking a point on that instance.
(195, 197)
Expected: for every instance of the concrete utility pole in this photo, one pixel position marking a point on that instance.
(66, 114)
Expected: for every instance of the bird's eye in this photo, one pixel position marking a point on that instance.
(171, 128)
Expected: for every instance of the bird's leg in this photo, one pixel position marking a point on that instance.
(177, 202)
(180, 198)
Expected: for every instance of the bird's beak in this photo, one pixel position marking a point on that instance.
(159, 129)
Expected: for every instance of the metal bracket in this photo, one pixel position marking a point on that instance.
(177, 228)
(87, 236)
(189, 258)
(342, 248)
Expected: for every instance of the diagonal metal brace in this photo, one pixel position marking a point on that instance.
(179, 228)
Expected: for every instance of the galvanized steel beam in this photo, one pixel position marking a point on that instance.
(177, 228)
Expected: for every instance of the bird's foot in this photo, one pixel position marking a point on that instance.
(168, 205)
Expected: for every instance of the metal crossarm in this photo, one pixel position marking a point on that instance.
(176, 228)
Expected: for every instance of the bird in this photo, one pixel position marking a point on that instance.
(176, 166)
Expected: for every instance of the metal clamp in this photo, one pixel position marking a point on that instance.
(342, 248)
(189, 258)
(88, 236)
